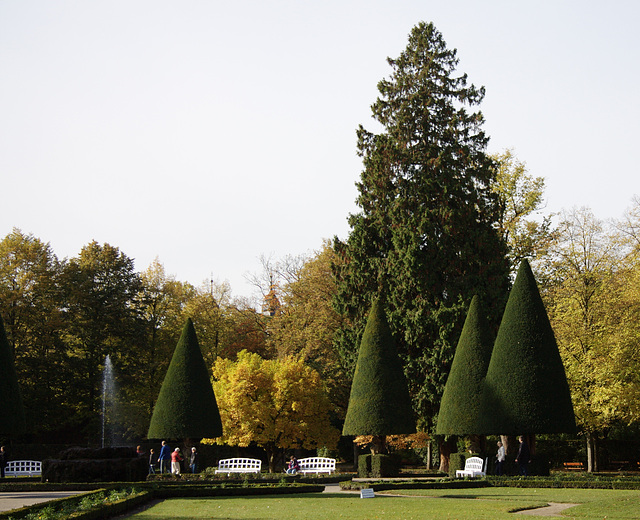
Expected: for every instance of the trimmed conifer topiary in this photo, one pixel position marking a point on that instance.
(460, 405)
(379, 403)
(12, 421)
(526, 389)
(186, 407)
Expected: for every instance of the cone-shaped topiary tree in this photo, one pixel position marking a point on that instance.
(460, 405)
(186, 407)
(379, 403)
(526, 389)
(12, 420)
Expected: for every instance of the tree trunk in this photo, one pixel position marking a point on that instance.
(592, 452)
(356, 454)
(510, 444)
(429, 454)
(446, 449)
(379, 444)
(271, 457)
(530, 439)
(477, 443)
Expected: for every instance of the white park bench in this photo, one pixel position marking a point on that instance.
(473, 467)
(23, 468)
(239, 466)
(317, 465)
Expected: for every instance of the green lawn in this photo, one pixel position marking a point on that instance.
(486, 503)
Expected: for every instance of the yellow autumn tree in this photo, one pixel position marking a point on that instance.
(273, 403)
(594, 307)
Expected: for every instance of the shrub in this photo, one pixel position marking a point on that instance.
(456, 462)
(385, 465)
(364, 466)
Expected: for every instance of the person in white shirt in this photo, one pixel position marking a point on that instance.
(501, 456)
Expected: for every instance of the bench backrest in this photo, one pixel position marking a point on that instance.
(24, 466)
(317, 462)
(240, 464)
(474, 463)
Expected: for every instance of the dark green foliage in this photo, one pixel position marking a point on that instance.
(383, 465)
(426, 227)
(364, 465)
(186, 406)
(456, 462)
(460, 406)
(379, 403)
(11, 408)
(96, 465)
(526, 389)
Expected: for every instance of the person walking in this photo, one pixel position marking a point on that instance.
(193, 460)
(164, 458)
(176, 459)
(524, 456)
(501, 456)
(152, 462)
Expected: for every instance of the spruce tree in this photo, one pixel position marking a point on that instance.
(460, 406)
(526, 389)
(12, 419)
(186, 407)
(427, 220)
(379, 403)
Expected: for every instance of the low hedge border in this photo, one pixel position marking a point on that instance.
(203, 478)
(569, 482)
(72, 504)
(141, 497)
(572, 482)
(414, 484)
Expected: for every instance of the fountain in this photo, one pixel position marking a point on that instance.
(109, 404)
(112, 462)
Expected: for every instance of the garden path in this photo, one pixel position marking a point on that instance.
(16, 500)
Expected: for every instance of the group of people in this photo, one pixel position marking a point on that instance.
(293, 466)
(522, 459)
(169, 461)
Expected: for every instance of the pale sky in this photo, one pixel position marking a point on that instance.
(208, 133)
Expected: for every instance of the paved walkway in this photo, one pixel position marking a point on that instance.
(553, 509)
(17, 500)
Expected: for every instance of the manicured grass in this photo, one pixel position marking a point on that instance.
(480, 504)
(595, 503)
(328, 506)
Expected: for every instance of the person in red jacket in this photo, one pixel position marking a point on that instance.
(176, 459)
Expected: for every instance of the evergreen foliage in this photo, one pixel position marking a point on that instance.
(12, 421)
(428, 217)
(186, 406)
(526, 389)
(460, 406)
(379, 403)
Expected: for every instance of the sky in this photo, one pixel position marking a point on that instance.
(209, 133)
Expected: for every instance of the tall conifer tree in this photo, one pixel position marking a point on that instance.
(526, 389)
(460, 406)
(379, 403)
(12, 421)
(427, 217)
(186, 407)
